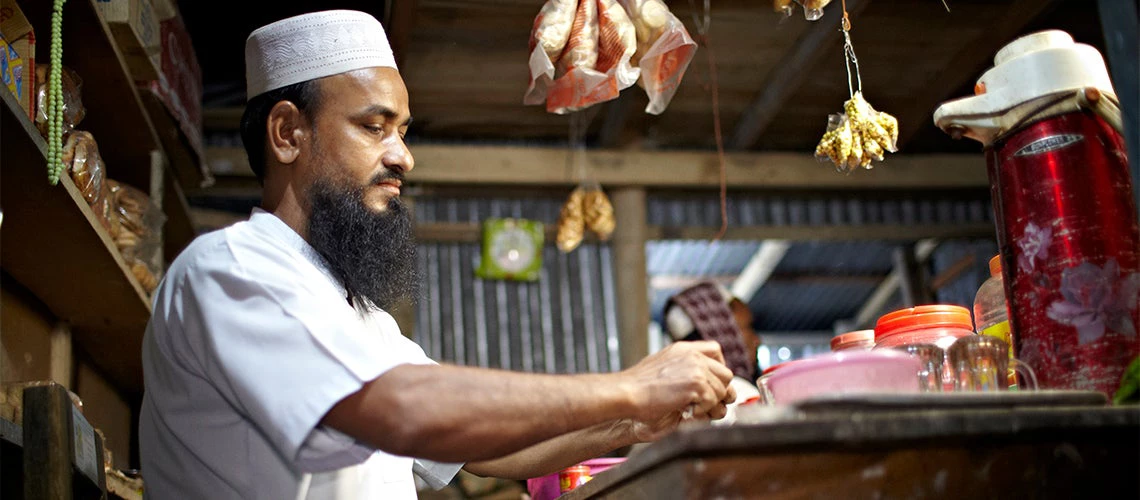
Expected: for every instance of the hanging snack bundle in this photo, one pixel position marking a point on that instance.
(664, 50)
(858, 136)
(586, 208)
(813, 9)
(572, 221)
(586, 52)
(861, 134)
(599, 213)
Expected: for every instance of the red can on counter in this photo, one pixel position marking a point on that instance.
(573, 477)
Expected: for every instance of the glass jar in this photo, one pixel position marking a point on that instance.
(939, 325)
(863, 340)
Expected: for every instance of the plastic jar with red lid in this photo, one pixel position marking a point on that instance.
(861, 340)
(940, 325)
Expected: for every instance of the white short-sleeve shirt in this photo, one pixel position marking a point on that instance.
(250, 344)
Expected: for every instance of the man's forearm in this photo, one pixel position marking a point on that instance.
(458, 414)
(558, 453)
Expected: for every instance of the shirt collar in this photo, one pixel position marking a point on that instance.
(269, 224)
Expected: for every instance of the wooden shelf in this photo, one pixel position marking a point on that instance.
(189, 169)
(116, 114)
(53, 244)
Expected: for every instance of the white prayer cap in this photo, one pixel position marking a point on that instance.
(312, 46)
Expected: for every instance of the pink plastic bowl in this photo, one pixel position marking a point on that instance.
(547, 487)
(845, 372)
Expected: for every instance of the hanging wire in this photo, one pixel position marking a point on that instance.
(576, 141)
(702, 24)
(849, 57)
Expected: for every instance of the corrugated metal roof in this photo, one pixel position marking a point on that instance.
(812, 306)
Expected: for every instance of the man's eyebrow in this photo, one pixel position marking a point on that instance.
(385, 111)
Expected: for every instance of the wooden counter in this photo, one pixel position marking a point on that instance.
(1067, 452)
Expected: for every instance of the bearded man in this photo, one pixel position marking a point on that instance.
(272, 369)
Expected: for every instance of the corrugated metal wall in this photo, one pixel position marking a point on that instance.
(853, 209)
(567, 322)
(564, 323)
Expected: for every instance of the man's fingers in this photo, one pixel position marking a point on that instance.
(718, 412)
(729, 395)
(710, 397)
(709, 348)
(720, 371)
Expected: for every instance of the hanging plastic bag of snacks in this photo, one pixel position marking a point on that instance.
(594, 64)
(664, 51)
(548, 39)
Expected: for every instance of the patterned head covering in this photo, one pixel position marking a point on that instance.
(311, 46)
(707, 307)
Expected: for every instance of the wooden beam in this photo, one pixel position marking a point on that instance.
(788, 75)
(62, 358)
(465, 232)
(913, 277)
(868, 312)
(759, 269)
(535, 166)
(968, 64)
(672, 282)
(446, 232)
(952, 273)
(400, 18)
(830, 233)
(630, 274)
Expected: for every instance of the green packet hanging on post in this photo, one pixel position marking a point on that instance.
(512, 249)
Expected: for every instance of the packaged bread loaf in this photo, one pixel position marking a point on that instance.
(73, 110)
(139, 237)
(84, 164)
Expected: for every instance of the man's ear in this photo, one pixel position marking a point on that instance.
(286, 130)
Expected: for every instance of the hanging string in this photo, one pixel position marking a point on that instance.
(702, 25)
(576, 141)
(849, 57)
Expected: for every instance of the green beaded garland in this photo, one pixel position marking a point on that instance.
(55, 96)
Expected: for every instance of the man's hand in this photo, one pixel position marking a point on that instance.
(684, 378)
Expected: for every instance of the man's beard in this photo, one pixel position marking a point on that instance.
(372, 253)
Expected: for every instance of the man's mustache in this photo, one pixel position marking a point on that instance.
(387, 175)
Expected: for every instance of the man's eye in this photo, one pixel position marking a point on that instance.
(375, 129)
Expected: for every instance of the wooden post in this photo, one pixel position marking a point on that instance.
(58, 441)
(630, 274)
(61, 362)
(913, 278)
(157, 188)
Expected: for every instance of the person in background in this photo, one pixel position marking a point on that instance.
(705, 311)
(271, 366)
(752, 342)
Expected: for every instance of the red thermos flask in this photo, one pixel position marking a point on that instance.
(1066, 219)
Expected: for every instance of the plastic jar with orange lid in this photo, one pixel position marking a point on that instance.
(861, 340)
(940, 325)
